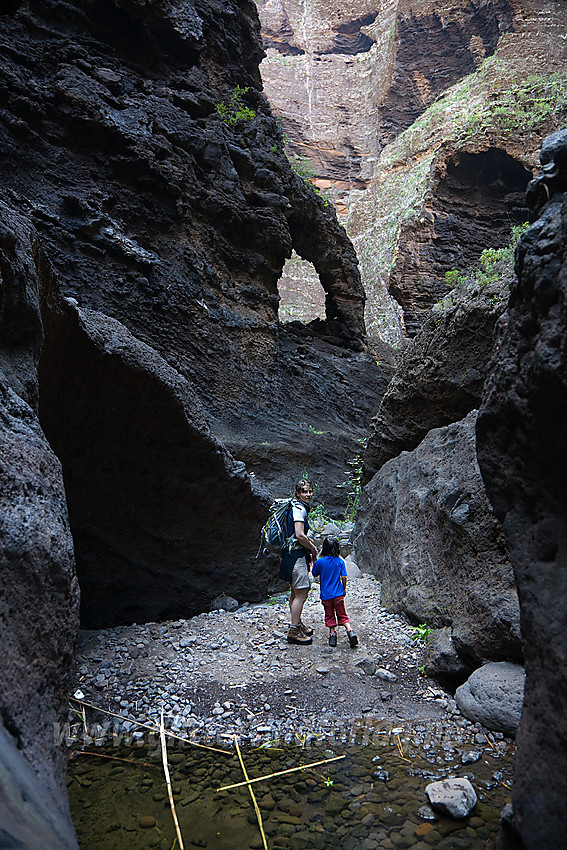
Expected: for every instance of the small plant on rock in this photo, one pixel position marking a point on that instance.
(235, 110)
(421, 632)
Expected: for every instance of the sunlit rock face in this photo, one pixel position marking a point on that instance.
(417, 125)
(523, 458)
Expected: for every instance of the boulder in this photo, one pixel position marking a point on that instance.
(426, 529)
(442, 661)
(453, 797)
(523, 457)
(442, 370)
(493, 695)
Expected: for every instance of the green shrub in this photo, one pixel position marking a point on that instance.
(235, 110)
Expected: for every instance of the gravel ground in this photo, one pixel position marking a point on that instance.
(223, 673)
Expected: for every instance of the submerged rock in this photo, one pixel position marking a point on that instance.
(454, 797)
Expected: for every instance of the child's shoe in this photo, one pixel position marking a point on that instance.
(297, 636)
(352, 638)
(333, 640)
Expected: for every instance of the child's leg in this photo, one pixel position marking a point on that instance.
(343, 620)
(330, 619)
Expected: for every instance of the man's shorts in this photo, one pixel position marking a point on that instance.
(300, 578)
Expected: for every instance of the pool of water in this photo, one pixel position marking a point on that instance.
(373, 797)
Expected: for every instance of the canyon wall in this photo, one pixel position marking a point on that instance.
(144, 227)
(40, 596)
(523, 459)
(426, 161)
(172, 218)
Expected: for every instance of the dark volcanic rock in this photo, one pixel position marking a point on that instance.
(441, 373)
(163, 518)
(158, 213)
(427, 530)
(523, 457)
(493, 695)
(39, 592)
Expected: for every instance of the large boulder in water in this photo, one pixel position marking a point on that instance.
(522, 453)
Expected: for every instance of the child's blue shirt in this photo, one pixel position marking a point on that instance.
(330, 568)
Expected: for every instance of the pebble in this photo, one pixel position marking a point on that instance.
(216, 672)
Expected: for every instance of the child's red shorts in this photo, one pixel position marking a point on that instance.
(335, 613)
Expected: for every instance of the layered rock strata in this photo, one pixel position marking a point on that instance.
(523, 458)
(427, 162)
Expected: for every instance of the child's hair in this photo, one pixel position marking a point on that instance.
(330, 547)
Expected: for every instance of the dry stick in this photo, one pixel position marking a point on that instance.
(151, 728)
(280, 773)
(114, 758)
(168, 780)
(256, 809)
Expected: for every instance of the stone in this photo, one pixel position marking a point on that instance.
(352, 568)
(386, 675)
(367, 666)
(425, 527)
(453, 797)
(493, 695)
(442, 661)
(225, 603)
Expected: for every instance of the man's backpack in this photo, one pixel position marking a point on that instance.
(275, 537)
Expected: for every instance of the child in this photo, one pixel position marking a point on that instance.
(332, 569)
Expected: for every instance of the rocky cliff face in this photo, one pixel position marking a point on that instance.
(426, 528)
(442, 371)
(39, 598)
(523, 459)
(425, 525)
(159, 214)
(143, 235)
(427, 161)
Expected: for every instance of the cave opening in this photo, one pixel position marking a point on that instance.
(478, 199)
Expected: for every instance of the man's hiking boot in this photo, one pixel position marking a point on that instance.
(297, 635)
(352, 639)
(305, 629)
(333, 640)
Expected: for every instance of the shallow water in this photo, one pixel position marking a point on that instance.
(368, 799)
